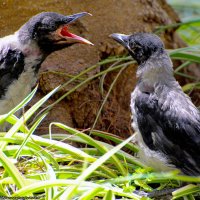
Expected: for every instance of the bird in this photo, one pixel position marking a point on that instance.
(165, 119)
(22, 53)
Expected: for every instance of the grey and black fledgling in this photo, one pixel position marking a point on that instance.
(22, 53)
(167, 122)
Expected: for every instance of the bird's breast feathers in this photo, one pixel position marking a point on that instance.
(17, 71)
(168, 126)
(17, 91)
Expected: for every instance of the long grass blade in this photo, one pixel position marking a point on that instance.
(26, 116)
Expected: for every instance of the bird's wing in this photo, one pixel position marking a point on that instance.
(11, 66)
(171, 125)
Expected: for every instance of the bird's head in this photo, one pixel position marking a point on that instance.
(50, 31)
(141, 46)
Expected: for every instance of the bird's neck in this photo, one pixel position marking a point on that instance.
(27, 45)
(157, 70)
(32, 53)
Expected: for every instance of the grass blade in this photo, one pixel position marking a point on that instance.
(26, 116)
(12, 171)
(71, 190)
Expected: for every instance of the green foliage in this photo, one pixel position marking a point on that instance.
(47, 168)
(38, 165)
(186, 8)
(190, 33)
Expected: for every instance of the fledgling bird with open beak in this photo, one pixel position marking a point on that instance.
(167, 122)
(22, 53)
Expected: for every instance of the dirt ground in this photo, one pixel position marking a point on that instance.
(109, 16)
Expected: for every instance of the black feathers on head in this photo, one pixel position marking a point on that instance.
(141, 46)
(46, 22)
(42, 24)
(45, 30)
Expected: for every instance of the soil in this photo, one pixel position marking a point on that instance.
(109, 16)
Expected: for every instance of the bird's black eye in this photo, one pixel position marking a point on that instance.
(137, 47)
(134, 46)
(131, 44)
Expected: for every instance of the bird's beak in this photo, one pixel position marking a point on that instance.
(64, 33)
(121, 38)
(70, 18)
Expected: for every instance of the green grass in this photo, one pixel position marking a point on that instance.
(47, 168)
(51, 167)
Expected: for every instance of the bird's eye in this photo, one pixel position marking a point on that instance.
(135, 47)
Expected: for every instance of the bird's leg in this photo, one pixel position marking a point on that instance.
(165, 194)
(157, 194)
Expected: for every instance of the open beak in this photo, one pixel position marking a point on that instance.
(69, 37)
